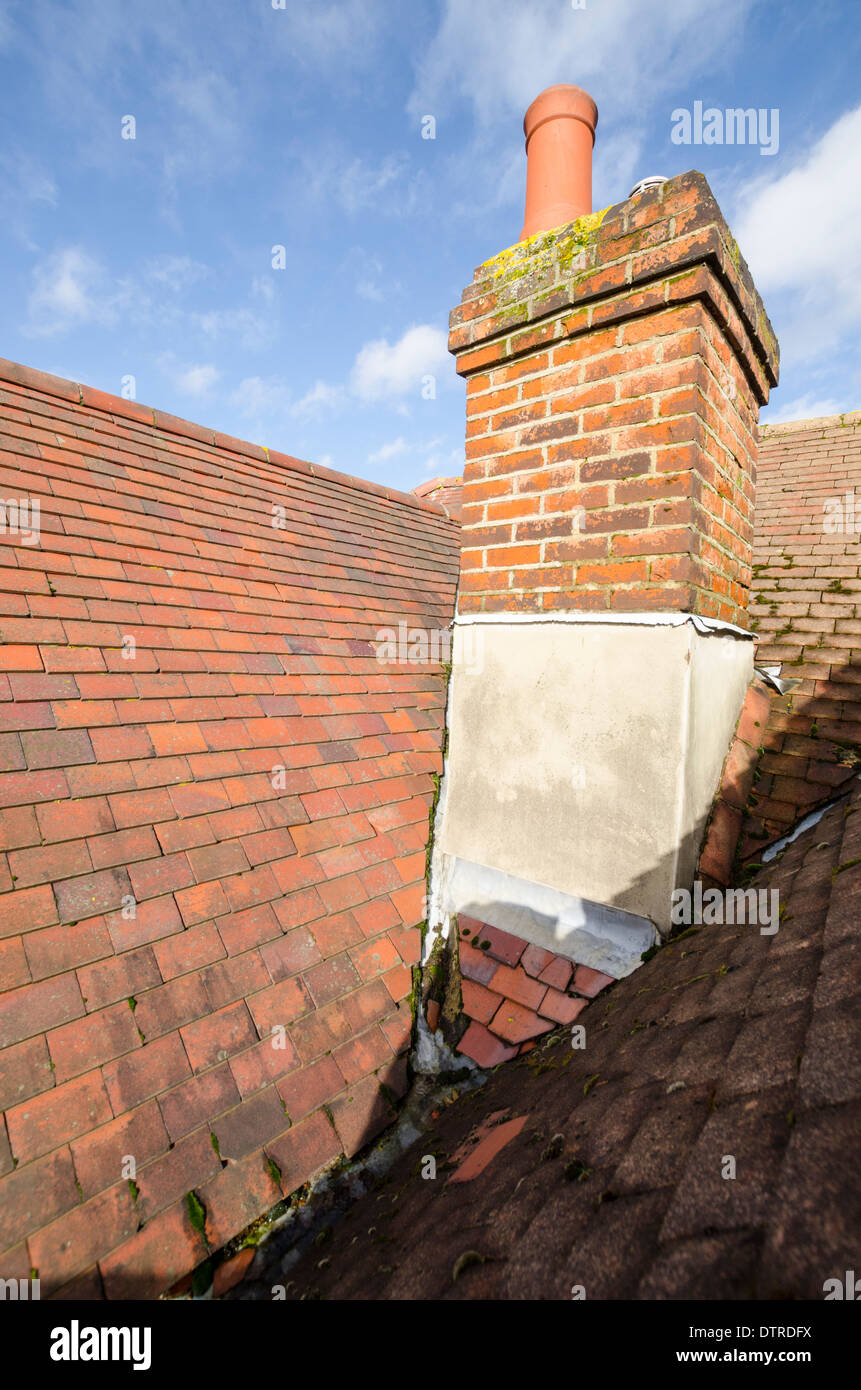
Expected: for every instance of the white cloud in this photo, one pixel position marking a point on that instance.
(495, 56)
(244, 326)
(801, 234)
(499, 54)
(71, 288)
(805, 408)
(392, 450)
(383, 369)
(197, 380)
(319, 399)
(176, 272)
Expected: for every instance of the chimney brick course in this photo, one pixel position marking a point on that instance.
(614, 372)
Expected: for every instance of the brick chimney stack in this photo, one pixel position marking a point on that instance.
(615, 365)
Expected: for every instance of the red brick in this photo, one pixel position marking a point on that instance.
(254, 1122)
(119, 978)
(47, 748)
(483, 1048)
(590, 982)
(217, 861)
(164, 875)
(34, 1008)
(198, 1100)
(75, 1241)
(269, 1061)
(152, 1261)
(515, 1024)
(91, 894)
(359, 1115)
(55, 1117)
(152, 921)
(304, 1150)
(374, 957)
(47, 863)
(189, 950)
(14, 970)
(557, 973)
(235, 978)
(168, 1007)
(560, 1007)
(141, 807)
(363, 1054)
(238, 1196)
(331, 978)
(100, 1156)
(35, 1194)
(478, 1003)
(92, 1040)
(398, 982)
(18, 828)
(69, 820)
(291, 953)
(27, 910)
(240, 931)
(232, 1271)
(219, 1036)
(304, 1090)
(168, 1178)
(148, 1072)
(124, 847)
(279, 1005)
(517, 985)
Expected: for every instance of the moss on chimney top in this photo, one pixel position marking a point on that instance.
(561, 245)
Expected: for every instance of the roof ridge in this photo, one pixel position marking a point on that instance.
(847, 420)
(79, 394)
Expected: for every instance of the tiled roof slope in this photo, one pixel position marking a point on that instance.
(168, 898)
(602, 1168)
(805, 600)
(448, 492)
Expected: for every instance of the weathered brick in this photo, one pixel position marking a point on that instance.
(251, 1124)
(34, 1008)
(168, 1178)
(92, 1040)
(219, 1036)
(75, 1241)
(99, 1157)
(34, 1194)
(53, 1118)
(198, 1100)
(154, 1258)
(304, 1150)
(149, 1071)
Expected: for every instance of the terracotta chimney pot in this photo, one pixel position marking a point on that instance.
(560, 132)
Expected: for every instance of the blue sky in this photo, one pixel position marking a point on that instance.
(301, 127)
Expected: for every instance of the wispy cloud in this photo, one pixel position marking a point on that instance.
(384, 370)
(801, 235)
(807, 407)
(70, 288)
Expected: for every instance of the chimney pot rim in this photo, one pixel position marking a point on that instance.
(563, 99)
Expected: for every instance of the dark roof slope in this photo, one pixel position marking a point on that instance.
(805, 599)
(603, 1167)
(193, 720)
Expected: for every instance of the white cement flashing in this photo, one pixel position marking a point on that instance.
(705, 626)
(605, 938)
